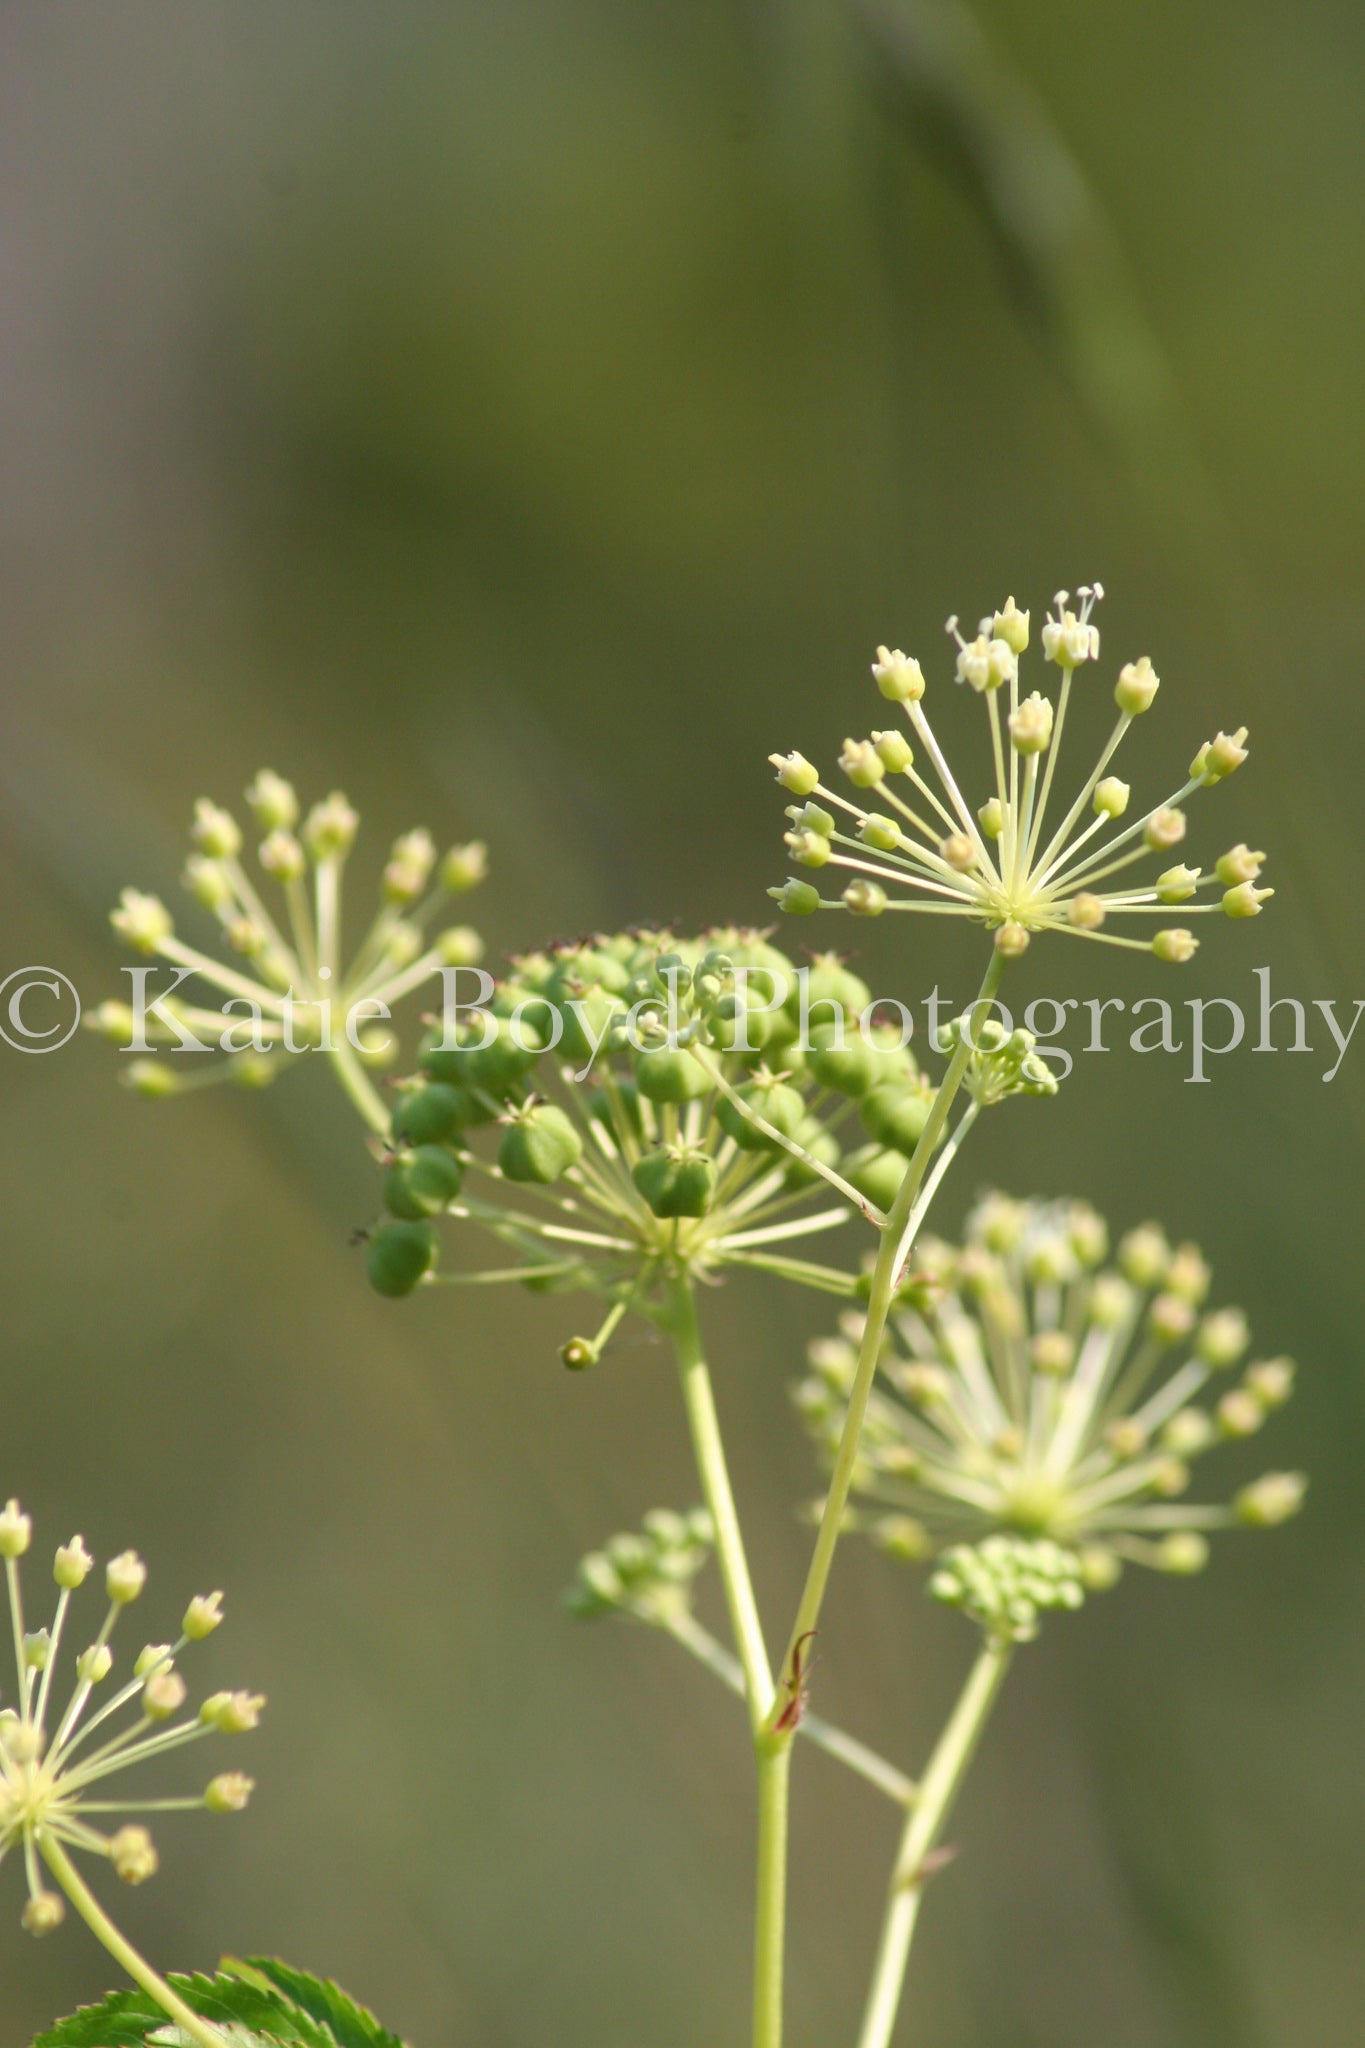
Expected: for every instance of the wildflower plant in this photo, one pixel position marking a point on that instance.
(634, 1117)
(56, 1762)
(289, 986)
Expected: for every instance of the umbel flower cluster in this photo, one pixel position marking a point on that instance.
(913, 838)
(281, 981)
(1030, 1388)
(641, 1105)
(55, 1764)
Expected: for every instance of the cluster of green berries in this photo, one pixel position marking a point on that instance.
(648, 1573)
(624, 1105)
(1005, 1583)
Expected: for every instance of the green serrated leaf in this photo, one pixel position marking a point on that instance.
(351, 2024)
(251, 2015)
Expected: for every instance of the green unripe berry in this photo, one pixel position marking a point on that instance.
(776, 1102)
(399, 1256)
(876, 1174)
(427, 1114)
(422, 1182)
(667, 1073)
(851, 1068)
(539, 1145)
(896, 1115)
(676, 1183)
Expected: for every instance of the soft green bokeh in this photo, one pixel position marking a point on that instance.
(527, 417)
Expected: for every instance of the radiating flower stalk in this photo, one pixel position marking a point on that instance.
(291, 989)
(634, 1116)
(55, 1763)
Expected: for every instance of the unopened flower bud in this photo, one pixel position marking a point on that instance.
(796, 898)
(1171, 1476)
(16, 1530)
(163, 1695)
(1011, 626)
(202, 1616)
(142, 922)
(1189, 1431)
(1111, 797)
(151, 1659)
(1163, 830)
(229, 1792)
(959, 851)
(1101, 1568)
(1270, 1500)
(1245, 900)
(1086, 912)
(329, 829)
(124, 1577)
(882, 834)
(281, 855)
(464, 867)
(1177, 884)
(1188, 1274)
(810, 849)
(897, 676)
(207, 881)
(1170, 1319)
(1222, 1339)
(43, 1913)
(37, 1649)
(1219, 757)
(903, 1537)
(1126, 1438)
(991, 817)
(864, 898)
(578, 1354)
(234, 1713)
(215, 831)
(1052, 1353)
(1271, 1381)
(1012, 940)
(94, 1665)
(1239, 864)
(795, 773)
(1136, 687)
(133, 1855)
(1176, 945)
(862, 764)
(73, 1565)
(1240, 1413)
(894, 751)
(1144, 1255)
(1030, 724)
(809, 817)
(273, 802)
(1109, 1301)
(1183, 1552)
(459, 946)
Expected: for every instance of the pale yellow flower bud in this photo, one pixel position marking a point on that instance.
(897, 676)
(133, 1855)
(1136, 687)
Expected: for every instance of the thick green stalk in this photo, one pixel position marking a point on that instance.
(359, 1087)
(890, 1253)
(121, 1949)
(715, 1480)
(938, 1789)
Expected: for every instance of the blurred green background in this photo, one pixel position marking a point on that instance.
(527, 417)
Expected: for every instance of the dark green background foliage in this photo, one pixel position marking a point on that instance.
(527, 417)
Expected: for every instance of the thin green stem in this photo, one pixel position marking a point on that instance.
(358, 1085)
(121, 1949)
(770, 1915)
(891, 1252)
(939, 1787)
(715, 1479)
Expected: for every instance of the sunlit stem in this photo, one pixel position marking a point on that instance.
(1054, 749)
(938, 1789)
(327, 895)
(1058, 839)
(895, 1242)
(121, 1949)
(364, 1095)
